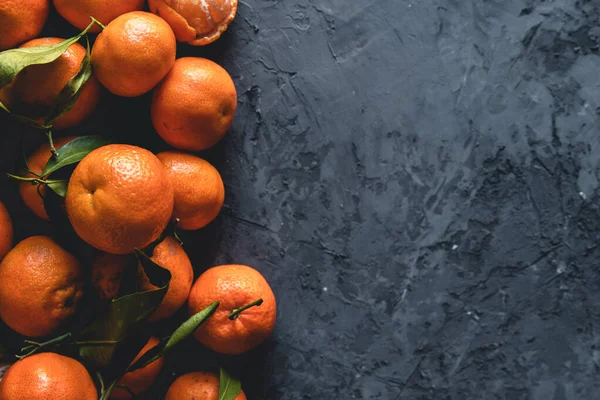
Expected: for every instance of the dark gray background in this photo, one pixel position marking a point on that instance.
(418, 180)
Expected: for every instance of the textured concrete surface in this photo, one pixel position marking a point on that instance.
(419, 182)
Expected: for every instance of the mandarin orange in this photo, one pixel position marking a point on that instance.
(47, 376)
(196, 22)
(134, 53)
(198, 187)
(40, 287)
(21, 20)
(230, 331)
(197, 386)
(194, 106)
(119, 198)
(170, 255)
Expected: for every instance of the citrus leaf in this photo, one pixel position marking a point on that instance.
(58, 186)
(229, 387)
(15, 60)
(124, 316)
(184, 331)
(73, 152)
(70, 93)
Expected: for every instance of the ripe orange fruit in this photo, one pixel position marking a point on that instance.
(140, 380)
(235, 286)
(194, 106)
(21, 20)
(170, 255)
(107, 274)
(134, 53)
(119, 198)
(78, 12)
(47, 376)
(37, 162)
(6, 231)
(196, 386)
(40, 287)
(199, 190)
(196, 22)
(35, 89)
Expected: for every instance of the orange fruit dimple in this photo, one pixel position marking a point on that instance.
(6, 231)
(198, 187)
(35, 89)
(107, 274)
(140, 380)
(235, 286)
(119, 198)
(37, 162)
(47, 376)
(133, 53)
(194, 106)
(197, 386)
(21, 20)
(40, 287)
(170, 255)
(78, 12)
(196, 22)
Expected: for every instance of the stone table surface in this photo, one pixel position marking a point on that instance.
(419, 181)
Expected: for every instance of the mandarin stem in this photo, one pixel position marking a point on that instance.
(235, 313)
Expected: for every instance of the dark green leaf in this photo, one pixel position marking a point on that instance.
(229, 387)
(185, 330)
(73, 152)
(15, 60)
(70, 93)
(124, 316)
(58, 186)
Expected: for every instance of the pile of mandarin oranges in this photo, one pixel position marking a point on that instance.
(84, 324)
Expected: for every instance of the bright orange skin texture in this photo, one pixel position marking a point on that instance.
(47, 376)
(21, 20)
(197, 386)
(194, 106)
(40, 287)
(234, 286)
(6, 231)
(140, 380)
(119, 198)
(37, 162)
(170, 255)
(107, 274)
(134, 53)
(196, 22)
(199, 189)
(35, 89)
(78, 12)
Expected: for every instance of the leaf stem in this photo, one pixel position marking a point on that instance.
(52, 148)
(35, 346)
(34, 181)
(100, 24)
(236, 313)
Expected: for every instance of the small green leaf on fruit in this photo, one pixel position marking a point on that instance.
(73, 152)
(184, 331)
(229, 387)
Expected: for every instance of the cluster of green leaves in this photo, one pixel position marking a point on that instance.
(123, 318)
(15, 60)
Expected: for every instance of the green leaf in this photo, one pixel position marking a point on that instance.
(58, 186)
(185, 330)
(70, 93)
(124, 317)
(15, 60)
(73, 152)
(229, 387)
